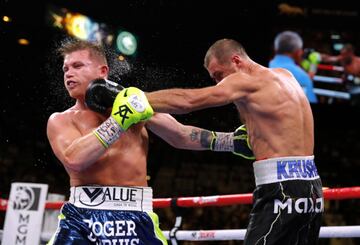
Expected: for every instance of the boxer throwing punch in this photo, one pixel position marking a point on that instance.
(288, 199)
(104, 153)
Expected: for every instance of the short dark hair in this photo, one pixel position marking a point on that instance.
(287, 42)
(223, 49)
(71, 45)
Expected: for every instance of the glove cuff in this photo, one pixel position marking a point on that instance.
(108, 132)
(221, 141)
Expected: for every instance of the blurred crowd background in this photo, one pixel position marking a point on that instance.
(171, 40)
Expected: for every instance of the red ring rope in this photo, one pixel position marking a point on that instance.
(330, 67)
(221, 200)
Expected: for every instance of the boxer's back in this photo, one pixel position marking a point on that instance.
(278, 116)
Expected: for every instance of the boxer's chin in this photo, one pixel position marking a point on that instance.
(76, 94)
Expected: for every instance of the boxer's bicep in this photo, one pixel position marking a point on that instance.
(61, 135)
(180, 101)
(232, 88)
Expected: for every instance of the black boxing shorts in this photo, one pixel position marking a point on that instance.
(108, 215)
(288, 202)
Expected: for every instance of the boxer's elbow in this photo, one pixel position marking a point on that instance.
(75, 163)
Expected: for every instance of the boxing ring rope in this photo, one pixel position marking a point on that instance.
(332, 80)
(225, 200)
(326, 79)
(239, 234)
(332, 93)
(330, 67)
(220, 200)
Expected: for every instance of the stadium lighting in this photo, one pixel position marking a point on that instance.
(6, 18)
(126, 43)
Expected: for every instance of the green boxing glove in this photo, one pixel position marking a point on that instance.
(311, 60)
(314, 58)
(130, 107)
(237, 142)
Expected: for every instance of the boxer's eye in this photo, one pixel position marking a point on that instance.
(218, 76)
(78, 65)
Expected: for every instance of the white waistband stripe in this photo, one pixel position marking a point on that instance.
(112, 198)
(285, 168)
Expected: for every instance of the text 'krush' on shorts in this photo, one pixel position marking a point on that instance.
(275, 170)
(290, 169)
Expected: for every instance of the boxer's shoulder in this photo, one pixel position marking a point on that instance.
(57, 121)
(67, 117)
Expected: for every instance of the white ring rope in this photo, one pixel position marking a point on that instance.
(239, 234)
(332, 93)
(327, 79)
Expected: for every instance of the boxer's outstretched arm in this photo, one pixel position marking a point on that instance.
(180, 101)
(194, 138)
(75, 151)
(179, 135)
(330, 58)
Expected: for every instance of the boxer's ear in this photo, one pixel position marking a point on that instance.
(104, 71)
(236, 59)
